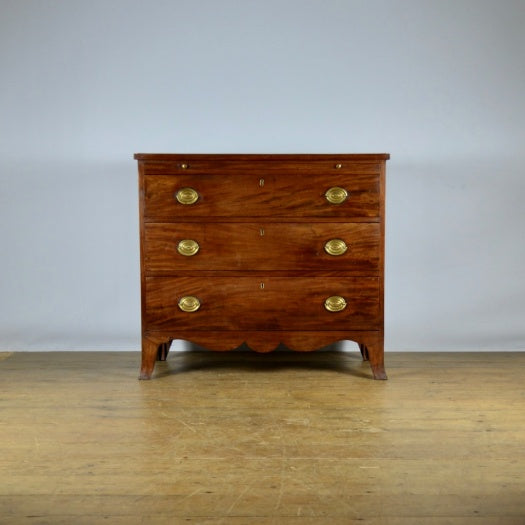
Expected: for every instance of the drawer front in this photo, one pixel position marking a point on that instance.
(272, 303)
(350, 247)
(259, 193)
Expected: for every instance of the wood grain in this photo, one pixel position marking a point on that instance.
(284, 194)
(236, 246)
(265, 303)
(275, 438)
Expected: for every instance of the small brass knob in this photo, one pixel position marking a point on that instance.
(338, 166)
(188, 247)
(335, 247)
(189, 304)
(187, 196)
(336, 303)
(184, 166)
(336, 195)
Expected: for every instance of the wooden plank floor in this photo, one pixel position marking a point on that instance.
(265, 439)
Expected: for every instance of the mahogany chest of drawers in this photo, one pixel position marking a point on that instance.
(263, 250)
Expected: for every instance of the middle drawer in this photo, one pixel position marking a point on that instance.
(352, 247)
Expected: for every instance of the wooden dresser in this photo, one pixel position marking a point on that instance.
(263, 250)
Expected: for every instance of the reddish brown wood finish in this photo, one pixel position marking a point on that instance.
(264, 303)
(238, 246)
(240, 194)
(261, 273)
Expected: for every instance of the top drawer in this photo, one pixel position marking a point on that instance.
(172, 191)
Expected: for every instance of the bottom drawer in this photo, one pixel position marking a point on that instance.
(259, 303)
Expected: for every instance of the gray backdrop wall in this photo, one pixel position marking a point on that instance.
(438, 84)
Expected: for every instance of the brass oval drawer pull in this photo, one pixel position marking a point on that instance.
(336, 303)
(188, 247)
(189, 303)
(336, 195)
(187, 196)
(335, 247)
